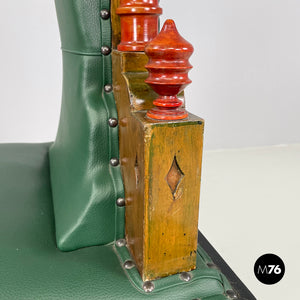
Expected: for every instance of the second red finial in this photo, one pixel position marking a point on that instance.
(168, 68)
(139, 23)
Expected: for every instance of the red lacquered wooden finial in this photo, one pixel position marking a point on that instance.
(168, 68)
(139, 23)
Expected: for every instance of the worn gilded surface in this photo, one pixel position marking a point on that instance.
(161, 168)
(171, 202)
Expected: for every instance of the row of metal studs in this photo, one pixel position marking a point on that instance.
(105, 15)
(108, 88)
(148, 286)
(113, 122)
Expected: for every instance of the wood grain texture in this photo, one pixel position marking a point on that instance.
(131, 146)
(171, 216)
(162, 197)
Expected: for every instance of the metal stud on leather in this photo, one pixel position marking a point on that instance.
(105, 50)
(105, 14)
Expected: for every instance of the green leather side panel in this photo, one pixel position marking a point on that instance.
(31, 267)
(80, 24)
(85, 186)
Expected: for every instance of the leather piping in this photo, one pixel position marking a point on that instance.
(115, 172)
(76, 52)
(202, 272)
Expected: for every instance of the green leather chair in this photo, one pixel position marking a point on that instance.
(60, 228)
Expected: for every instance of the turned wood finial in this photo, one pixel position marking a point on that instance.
(139, 23)
(168, 68)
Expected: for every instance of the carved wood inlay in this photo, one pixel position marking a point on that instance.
(160, 160)
(174, 177)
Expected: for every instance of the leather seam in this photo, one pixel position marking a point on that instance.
(113, 134)
(123, 255)
(81, 52)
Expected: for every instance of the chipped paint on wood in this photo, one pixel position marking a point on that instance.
(161, 222)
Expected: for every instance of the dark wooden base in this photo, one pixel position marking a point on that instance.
(241, 291)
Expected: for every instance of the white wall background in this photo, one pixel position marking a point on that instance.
(245, 79)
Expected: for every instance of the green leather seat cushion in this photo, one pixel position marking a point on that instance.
(31, 266)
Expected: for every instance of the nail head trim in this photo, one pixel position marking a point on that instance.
(121, 202)
(114, 162)
(105, 50)
(113, 122)
(148, 287)
(108, 88)
(105, 14)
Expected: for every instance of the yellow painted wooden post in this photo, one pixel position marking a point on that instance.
(161, 169)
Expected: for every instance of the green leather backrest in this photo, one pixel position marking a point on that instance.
(85, 185)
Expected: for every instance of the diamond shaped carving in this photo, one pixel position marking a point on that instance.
(174, 176)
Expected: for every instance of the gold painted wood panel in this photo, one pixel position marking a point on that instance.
(173, 154)
(161, 168)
